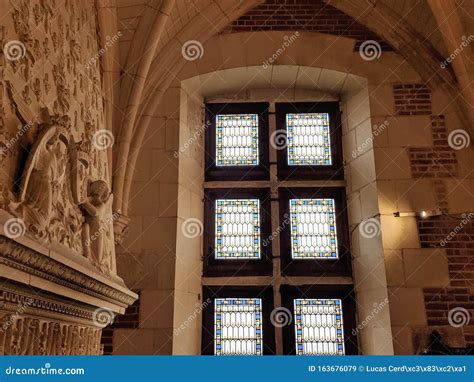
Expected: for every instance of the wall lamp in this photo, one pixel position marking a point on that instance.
(422, 214)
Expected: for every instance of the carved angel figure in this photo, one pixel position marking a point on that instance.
(97, 209)
(44, 170)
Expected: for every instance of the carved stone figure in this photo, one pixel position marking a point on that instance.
(44, 169)
(62, 87)
(41, 343)
(98, 222)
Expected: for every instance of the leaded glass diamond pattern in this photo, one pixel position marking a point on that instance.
(313, 228)
(308, 139)
(238, 326)
(319, 327)
(237, 229)
(237, 140)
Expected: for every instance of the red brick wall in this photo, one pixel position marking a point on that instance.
(438, 161)
(302, 15)
(412, 99)
(456, 235)
(128, 320)
(439, 302)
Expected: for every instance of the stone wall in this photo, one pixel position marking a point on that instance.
(405, 117)
(147, 257)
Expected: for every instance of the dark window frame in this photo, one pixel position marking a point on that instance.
(344, 292)
(315, 267)
(236, 267)
(258, 172)
(212, 292)
(336, 170)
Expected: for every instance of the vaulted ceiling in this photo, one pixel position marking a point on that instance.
(153, 32)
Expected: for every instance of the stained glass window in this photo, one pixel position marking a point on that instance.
(237, 229)
(318, 327)
(308, 139)
(313, 228)
(237, 140)
(238, 326)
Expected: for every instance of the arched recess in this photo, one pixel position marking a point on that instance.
(281, 83)
(168, 62)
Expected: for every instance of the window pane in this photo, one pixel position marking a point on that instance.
(318, 327)
(237, 140)
(308, 139)
(237, 228)
(238, 326)
(313, 228)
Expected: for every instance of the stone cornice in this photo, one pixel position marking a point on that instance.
(13, 299)
(19, 257)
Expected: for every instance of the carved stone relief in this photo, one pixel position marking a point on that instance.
(54, 179)
(60, 165)
(34, 336)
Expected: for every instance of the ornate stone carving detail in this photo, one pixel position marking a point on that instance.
(54, 181)
(120, 227)
(96, 209)
(25, 303)
(28, 336)
(53, 173)
(27, 260)
(56, 191)
(35, 324)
